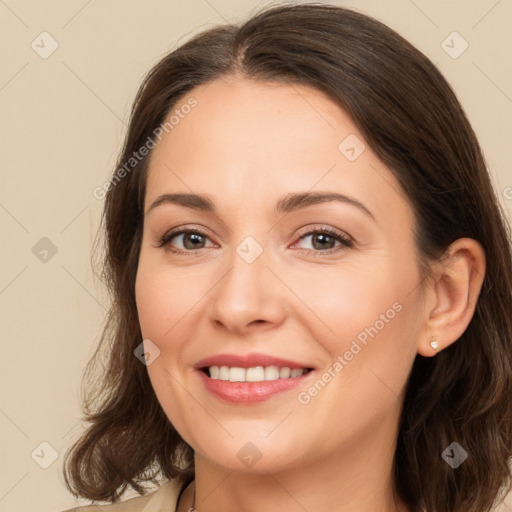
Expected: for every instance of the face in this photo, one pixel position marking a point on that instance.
(253, 277)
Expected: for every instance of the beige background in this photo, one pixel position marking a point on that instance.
(63, 119)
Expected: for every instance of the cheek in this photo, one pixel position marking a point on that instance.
(366, 314)
(153, 304)
(165, 299)
(165, 311)
(343, 301)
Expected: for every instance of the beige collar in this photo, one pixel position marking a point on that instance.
(165, 499)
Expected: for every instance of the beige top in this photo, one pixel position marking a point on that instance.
(163, 499)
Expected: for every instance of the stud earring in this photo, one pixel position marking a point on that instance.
(434, 344)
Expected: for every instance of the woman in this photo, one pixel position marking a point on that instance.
(311, 277)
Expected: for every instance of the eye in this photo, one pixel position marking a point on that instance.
(191, 239)
(324, 240)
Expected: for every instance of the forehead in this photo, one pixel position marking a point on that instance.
(246, 141)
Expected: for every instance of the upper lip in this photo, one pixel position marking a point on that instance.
(248, 361)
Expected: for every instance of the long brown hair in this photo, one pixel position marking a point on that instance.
(412, 120)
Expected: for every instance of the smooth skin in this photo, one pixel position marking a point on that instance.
(245, 146)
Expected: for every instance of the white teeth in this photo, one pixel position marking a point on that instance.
(271, 373)
(236, 374)
(284, 373)
(254, 374)
(224, 373)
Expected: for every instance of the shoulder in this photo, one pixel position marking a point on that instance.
(163, 499)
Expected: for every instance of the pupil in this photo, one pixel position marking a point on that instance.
(191, 237)
(324, 238)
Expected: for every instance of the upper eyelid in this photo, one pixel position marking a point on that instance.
(300, 232)
(320, 227)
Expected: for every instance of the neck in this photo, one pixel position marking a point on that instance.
(357, 479)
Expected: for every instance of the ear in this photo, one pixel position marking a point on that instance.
(452, 295)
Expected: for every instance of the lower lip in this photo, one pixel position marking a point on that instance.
(248, 392)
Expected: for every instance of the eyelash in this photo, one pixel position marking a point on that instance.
(345, 241)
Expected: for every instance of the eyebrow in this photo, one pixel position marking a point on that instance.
(290, 202)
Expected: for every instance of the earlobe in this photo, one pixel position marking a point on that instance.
(431, 348)
(456, 284)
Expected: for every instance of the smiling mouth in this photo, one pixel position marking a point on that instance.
(253, 374)
(252, 377)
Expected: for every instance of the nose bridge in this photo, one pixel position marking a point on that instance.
(248, 292)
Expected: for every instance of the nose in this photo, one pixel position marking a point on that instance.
(248, 297)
